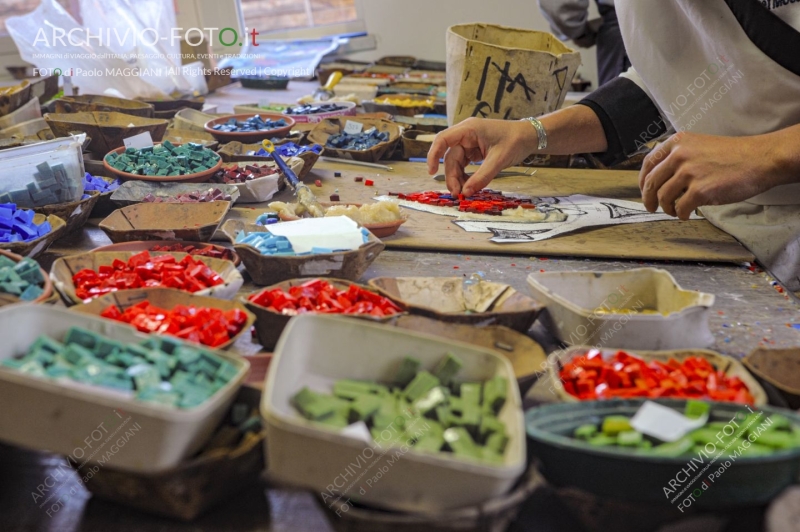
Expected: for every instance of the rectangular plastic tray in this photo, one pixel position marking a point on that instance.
(19, 168)
(79, 421)
(316, 351)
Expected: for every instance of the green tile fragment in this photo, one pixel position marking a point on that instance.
(447, 368)
(461, 443)
(364, 407)
(422, 383)
(350, 389)
(495, 393)
(313, 405)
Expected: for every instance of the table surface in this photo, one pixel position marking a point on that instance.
(665, 240)
(749, 312)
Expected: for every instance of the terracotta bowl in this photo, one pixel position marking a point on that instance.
(198, 177)
(47, 287)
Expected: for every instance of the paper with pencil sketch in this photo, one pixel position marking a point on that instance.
(560, 215)
(581, 212)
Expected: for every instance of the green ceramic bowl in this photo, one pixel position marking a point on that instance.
(631, 475)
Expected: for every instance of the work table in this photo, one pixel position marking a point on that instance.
(749, 312)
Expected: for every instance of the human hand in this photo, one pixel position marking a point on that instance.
(498, 143)
(690, 170)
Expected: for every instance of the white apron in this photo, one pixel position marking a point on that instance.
(697, 64)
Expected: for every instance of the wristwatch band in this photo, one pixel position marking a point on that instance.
(541, 134)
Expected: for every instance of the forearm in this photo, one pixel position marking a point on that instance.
(782, 148)
(575, 129)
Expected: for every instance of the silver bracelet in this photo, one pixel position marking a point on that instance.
(541, 134)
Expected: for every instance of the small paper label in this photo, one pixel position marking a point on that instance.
(353, 128)
(358, 431)
(664, 423)
(142, 140)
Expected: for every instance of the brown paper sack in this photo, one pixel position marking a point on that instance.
(506, 73)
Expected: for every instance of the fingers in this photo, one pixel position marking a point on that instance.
(438, 149)
(690, 201)
(491, 166)
(455, 160)
(686, 206)
(671, 191)
(655, 157)
(441, 143)
(653, 181)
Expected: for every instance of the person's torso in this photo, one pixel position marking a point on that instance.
(708, 76)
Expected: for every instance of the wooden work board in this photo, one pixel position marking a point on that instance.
(695, 240)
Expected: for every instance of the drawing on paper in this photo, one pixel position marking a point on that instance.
(553, 216)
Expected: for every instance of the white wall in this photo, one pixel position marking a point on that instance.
(207, 14)
(418, 27)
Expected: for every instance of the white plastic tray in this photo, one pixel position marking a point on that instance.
(316, 351)
(574, 301)
(73, 419)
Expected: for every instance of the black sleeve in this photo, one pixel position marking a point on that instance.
(629, 118)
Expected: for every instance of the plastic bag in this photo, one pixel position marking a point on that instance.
(159, 63)
(134, 57)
